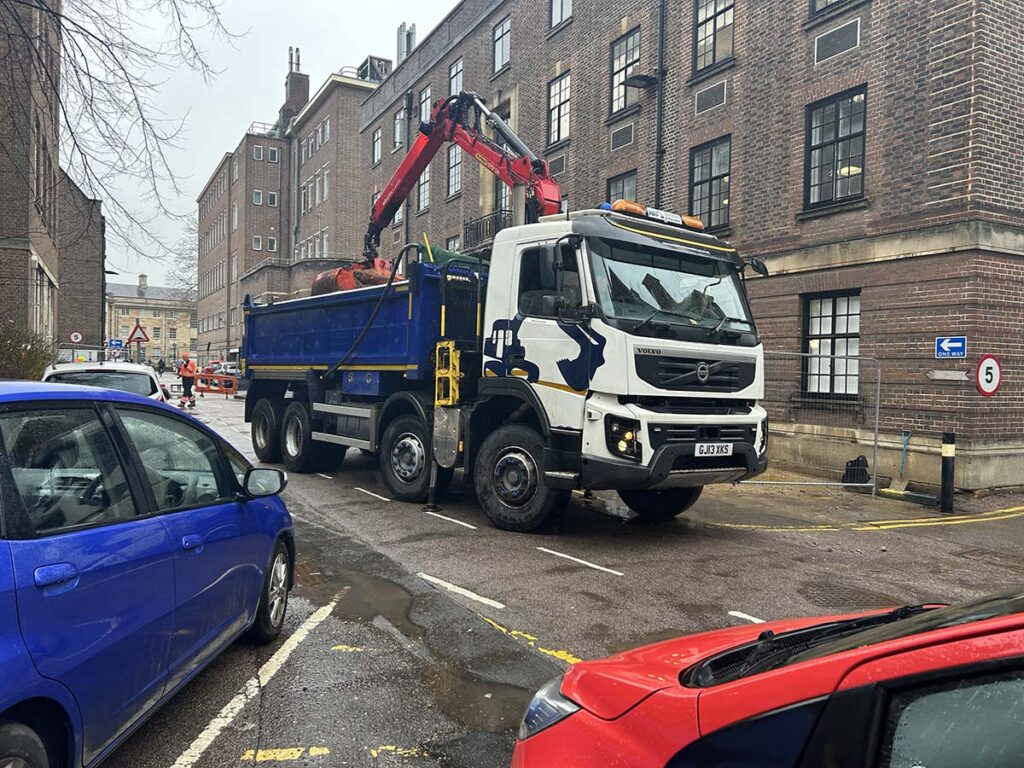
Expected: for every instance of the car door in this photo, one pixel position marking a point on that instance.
(93, 572)
(218, 573)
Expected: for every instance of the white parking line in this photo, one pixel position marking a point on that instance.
(452, 520)
(460, 590)
(251, 689)
(326, 477)
(371, 493)
(581, 562)
(746, 617)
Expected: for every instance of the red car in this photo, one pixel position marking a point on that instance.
(915, 687)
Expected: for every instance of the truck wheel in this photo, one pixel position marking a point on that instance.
(509, 480)
(298, 451)
(660, 506)
(405, 459)
(266, 430)
(21, 746)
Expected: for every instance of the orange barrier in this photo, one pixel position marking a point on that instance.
(215, 382)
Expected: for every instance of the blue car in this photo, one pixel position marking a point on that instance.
(135, 545)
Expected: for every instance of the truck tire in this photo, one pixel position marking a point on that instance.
(510, 483)
(21, 746)
(266, 429)
(299, 451)
(404, 457)
(653, 506)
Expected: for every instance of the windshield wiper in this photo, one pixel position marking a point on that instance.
(648, 321)
(727, 319)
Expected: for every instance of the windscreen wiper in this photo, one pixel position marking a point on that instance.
(647, 321)
(727, 319)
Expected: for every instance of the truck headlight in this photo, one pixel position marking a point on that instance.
(763, 443)
(623, 437)
(548, 707)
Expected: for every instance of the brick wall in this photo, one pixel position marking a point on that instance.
(82, 248)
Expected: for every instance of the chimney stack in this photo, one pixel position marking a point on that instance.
(298, 59)
(291, 59)
(406, 41)
(143, 282)
(296, 90)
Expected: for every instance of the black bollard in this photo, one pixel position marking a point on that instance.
(948, 463)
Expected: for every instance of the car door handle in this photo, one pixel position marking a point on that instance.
(192, 543)
(51, 575)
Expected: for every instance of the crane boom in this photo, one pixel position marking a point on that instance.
(457, 119)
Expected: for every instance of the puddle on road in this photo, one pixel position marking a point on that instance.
(371, 596)
(478, 704)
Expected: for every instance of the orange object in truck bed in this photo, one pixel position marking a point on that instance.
(351, 276)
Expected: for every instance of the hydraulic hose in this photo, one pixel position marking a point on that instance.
(373, 314)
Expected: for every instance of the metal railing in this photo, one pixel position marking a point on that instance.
(264, 129)
(823, 412)
(482, 231)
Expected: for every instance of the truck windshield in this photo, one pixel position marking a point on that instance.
(660, 286)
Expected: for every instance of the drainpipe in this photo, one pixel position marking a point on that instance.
(659, 108)
(409, 133)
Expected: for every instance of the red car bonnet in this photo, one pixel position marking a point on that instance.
(610, 687)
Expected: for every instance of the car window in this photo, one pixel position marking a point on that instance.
(239, 464)
(65, 468)
(126, 381)
(976, 723)
(180, 461)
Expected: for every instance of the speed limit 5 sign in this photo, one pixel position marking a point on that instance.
(989, 375)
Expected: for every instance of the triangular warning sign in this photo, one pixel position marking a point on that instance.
(137, 335)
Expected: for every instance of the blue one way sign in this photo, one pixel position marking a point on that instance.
(115, 343)
(951, 346)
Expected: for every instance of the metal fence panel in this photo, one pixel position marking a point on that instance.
(824, 412)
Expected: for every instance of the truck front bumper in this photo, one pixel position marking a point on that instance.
(672, 466)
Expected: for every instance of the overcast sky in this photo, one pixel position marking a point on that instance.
(331, 33)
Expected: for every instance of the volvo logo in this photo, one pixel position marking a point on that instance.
(648, 351)
(703, 372)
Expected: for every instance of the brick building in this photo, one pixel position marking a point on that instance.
(29, 167)
(268, 214)
(81, 244)
(867, 150)
(167, 315)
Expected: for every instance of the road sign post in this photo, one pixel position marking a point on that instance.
(989, 375)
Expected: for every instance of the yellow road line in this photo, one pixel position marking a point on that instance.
(391, 749)
(883, 525)
(531, 641)
(348, 648)
(282, 755)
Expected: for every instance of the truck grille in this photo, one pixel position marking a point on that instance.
(685, 433)
(695, 374)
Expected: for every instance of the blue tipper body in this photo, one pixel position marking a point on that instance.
(318, 331)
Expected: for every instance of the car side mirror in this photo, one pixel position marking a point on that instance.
(261, 482)
(758, 266)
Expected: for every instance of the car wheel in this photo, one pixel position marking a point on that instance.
(405, 459)
(660, 506)
(21, 747)
(266, 430)
(510, 483)
(299, 452)
(273, 598)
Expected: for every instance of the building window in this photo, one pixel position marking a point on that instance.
(423, 190)
(425, 105)
(272, 154)
(257, 243)
(257, 197)
(125, 311)
(622, 187)
(455, 78)
(317, 186)
(172, 333)
(560, 11)
(272, 244)
(832, 342)
(835, 149)
(234, 171)
(817, 6)
(399, 213)
(502, 43)
(323, 241)
(399, 128)
(558, 109)
(272, 199)
(156, 313)
(709, 182)
(454, 169)
(234, 216)
(713, 32)
(453, 243)
(304, 197)
(325, 173)
(156, 333)
(327, 129)
(257, 152)
(125, 330)
(625, 58)
(302, 152)
(375, 146)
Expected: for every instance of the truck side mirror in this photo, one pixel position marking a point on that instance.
(758, 266)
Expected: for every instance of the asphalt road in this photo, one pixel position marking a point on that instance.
(417, 639)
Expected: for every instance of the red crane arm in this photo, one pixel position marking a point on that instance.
(449, 121)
